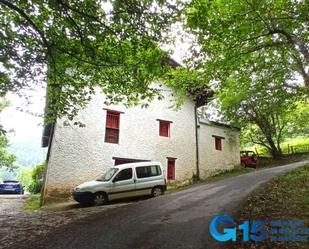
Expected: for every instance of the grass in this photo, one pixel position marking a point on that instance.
(270, 162)
(296, 141)
(299, 143)
(286, 197)
(32, 203)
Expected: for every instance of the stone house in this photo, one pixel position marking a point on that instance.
(113, 134)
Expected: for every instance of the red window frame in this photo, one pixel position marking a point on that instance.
(112, 127)
(218, 143)
(164, 128)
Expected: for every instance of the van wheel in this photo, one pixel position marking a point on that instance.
(156, 191)
(243, 165)
(99, 199)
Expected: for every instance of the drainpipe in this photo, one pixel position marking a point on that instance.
(196, 142)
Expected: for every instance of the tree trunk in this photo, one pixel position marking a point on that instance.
(275, 151)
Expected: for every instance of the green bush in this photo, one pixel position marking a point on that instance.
(32, 178)
(37, 178)
(24, 175)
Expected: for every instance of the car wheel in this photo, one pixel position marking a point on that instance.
(157, 191)
(99, 199)
(243, 165)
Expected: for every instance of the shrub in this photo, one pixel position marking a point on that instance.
(32, 178)
(37, 178)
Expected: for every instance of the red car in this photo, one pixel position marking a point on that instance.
(248, 159)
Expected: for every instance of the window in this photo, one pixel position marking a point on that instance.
(148, 171)
(112, 127)
(164, 130)
(108, 175)
(218, 143)
(125, 174)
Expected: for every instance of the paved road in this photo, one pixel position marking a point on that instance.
(178, 220)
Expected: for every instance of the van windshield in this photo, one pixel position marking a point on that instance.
(108, 175)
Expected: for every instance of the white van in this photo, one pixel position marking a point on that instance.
(122, 181)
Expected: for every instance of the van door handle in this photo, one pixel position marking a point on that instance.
(134, 180)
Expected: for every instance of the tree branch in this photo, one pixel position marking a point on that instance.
(28, 19)
(294, 40)
(266, 45)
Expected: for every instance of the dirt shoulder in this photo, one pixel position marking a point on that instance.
(11, 203)
(286, 197)
(18, 227)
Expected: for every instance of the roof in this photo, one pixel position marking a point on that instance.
(213, 123)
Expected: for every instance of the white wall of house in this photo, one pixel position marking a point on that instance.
(212, 161)
(80, 154)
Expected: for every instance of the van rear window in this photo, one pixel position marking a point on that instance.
(148, 171)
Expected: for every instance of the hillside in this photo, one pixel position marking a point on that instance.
(28, 154)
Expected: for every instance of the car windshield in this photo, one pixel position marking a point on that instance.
(108, 175)
(251, 153)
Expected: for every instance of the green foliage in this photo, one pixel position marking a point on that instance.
(189, 82)
(294, 130)
(80, 47)
(24, 175)
(32, 178)
(32, 203)
(260, 105)
(251, 52)
(37, 178)
(235, 36)
(6, 159)
(299, 120)
(289, 145)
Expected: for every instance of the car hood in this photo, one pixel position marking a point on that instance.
(91, 184)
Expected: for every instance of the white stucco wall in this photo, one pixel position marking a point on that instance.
(80, 154)
(212, 161)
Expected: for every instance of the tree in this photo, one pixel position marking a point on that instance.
(260, 104)
(190, 83)
(234, 35)
(6, 159)
(298, 124)
(32, 178)
(80, 47)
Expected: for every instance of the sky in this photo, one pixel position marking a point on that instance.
(25, 126)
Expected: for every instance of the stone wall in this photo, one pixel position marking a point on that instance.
(212, 161)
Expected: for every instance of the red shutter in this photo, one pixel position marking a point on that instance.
(112, 120)
(164, 129)
(218, 143)
(171, 170)
(112, 127)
